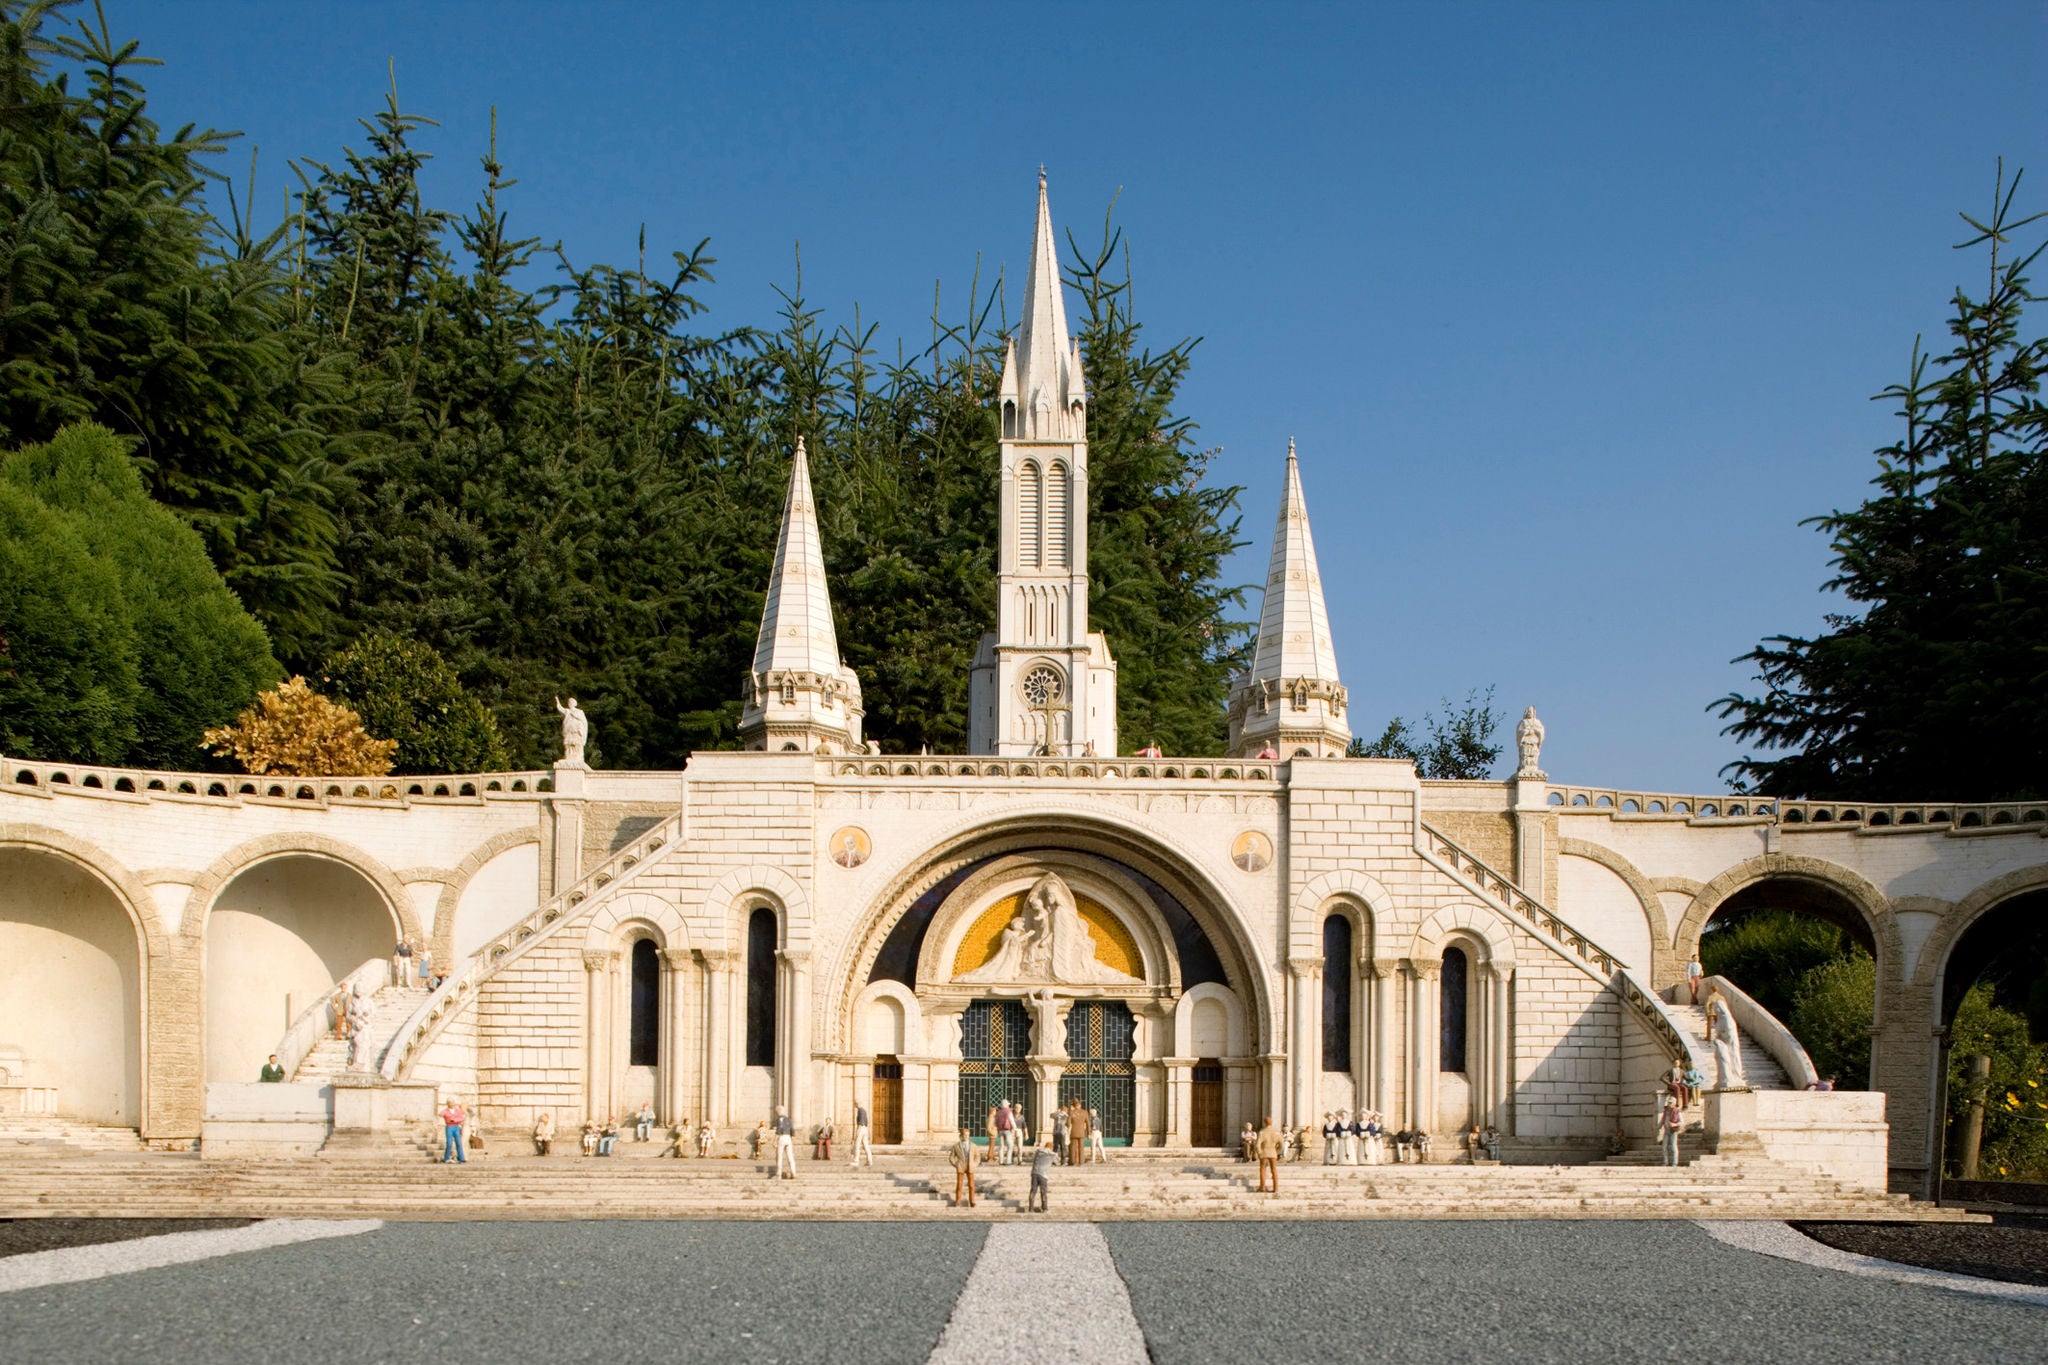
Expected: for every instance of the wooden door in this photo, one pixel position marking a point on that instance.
(1205, 1128)
(888, 1101)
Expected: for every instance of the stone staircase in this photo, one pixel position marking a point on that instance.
(915, 1186)
(392, 1006)
(1759, 1066)
(33, 1135)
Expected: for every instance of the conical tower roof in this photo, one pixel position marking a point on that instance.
(797, 633)
(1294, 625)
(1047, 377)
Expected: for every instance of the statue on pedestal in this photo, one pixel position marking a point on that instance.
(575, 731)
(1529, 740)
(1727, 1044)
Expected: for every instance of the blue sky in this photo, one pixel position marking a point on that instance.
(1574, 311)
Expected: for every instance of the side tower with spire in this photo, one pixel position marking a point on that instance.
(800, 698)
(1043, 682)
(1290, 700)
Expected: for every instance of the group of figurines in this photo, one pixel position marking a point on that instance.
(1076, 1134)
(601, 1138)
(1363, 1139)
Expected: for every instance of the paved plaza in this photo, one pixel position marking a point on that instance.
(912, 1292)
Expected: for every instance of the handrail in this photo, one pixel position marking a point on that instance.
(1679, 1040)
(1539, 919)
(1767, 1030)
(435, 1012)
(317, 1018)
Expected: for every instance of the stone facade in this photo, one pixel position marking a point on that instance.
(1185, 943)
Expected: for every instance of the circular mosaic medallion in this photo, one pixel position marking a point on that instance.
(1252, 851)
(850, 846)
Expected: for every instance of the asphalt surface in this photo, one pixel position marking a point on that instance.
(827, 1292)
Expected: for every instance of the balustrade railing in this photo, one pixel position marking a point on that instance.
(98, 779)
(1090, 769)
(317, 1019)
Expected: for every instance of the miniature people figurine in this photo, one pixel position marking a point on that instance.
(860, 1135)
(1330, 1153)
(608, 1136)
(271, 1070)
(1694, 974)
(452, 1119)
(705, 1137)
(1246, 1141)
(643, 1122)
(1529, 740)
(1617, 1141)
(1302, 1136)
(1670, 1122)
(785, 1144)
(1001, 1123)
(961, 1155)
(1041, 1180)
(1060, 1119)
(401, 964)
(1695, 1081)
(1267, 751)
(1269, 1143)
(544, 1135)
(1095, 1153)
(823, 1151)
(427, 967)
(1489, 1138)
(1721, 1032)
(575, 731)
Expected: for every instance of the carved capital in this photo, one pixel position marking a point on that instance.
(795, 957)
(714, 958)
(1382, 967)
(676, 958)
(597, 962)
(1304, 967)
(1425, 968)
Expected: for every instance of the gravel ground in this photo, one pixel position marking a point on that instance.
(21, 1235)
(1531, 1291)
(2013, 1249)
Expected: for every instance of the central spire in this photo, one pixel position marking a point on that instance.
(1042, 369)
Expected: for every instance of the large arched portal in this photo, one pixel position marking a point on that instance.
(70, 992)
(1994, 1009)
(1802, 948)
(280, 935)
(1078, 967)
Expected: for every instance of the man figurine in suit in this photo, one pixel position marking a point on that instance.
(961, 1155)
(1271, 1143)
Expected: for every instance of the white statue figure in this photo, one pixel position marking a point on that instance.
(1048, 1035)
(1529, 739)
(575, 731)
(1727, 1043)
(1046, 940)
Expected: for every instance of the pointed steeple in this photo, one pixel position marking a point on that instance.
(1048, 384)
(1290, 698)
(799, 695)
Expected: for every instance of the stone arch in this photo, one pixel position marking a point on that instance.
(1185, 1044)
(1117, 894)
(1469, 921)
(1655, 922)
(207, 887)
(277, 921)
(1856, 890)
(1368, 903)
(733, 897)
(910, 1020)
(613, 923)
(1932, 966)
(458, 881)
(1117, 836)
(83, 1027)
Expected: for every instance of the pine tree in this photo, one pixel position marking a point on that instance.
(1933, 689)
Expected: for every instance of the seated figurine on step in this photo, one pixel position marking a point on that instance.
(643, 1122)
(1695, 1081)
(706, 1135)
(1375, 1138)
(590, 1137)
(1489, 1138)
(544, 1136)
(608, 1136)
(1302, 1137)
(1247, 1142)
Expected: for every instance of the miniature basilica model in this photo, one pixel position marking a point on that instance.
(1184, 944)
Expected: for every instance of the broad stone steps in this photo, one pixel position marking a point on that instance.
(391, 1007)
(1759, 1067)
(55, 1135)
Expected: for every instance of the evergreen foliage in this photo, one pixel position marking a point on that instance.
(406, 692)
(1458, 743)
(384, 417)
(293, 731)
(1934, 688)
(190, 656)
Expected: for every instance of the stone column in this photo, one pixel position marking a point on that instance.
(597, 1088)
(672, 1083)
(1422, 999)
(1500, 1067)
(1529, 809)
(942, 1093)
(1386, 992)
(1153, 1121)
(793, 1039)
(1304, 979)
(565, 809)
(717, 1034)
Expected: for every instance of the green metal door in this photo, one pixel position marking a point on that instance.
(1101, 1040)
(995, 1037)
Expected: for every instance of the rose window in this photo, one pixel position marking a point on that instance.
(1043, 685)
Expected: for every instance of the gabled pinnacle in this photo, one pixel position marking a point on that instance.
(796, 621)
(1294, 625)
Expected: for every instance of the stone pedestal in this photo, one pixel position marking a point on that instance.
(1731, 1123)
(374, 1115)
